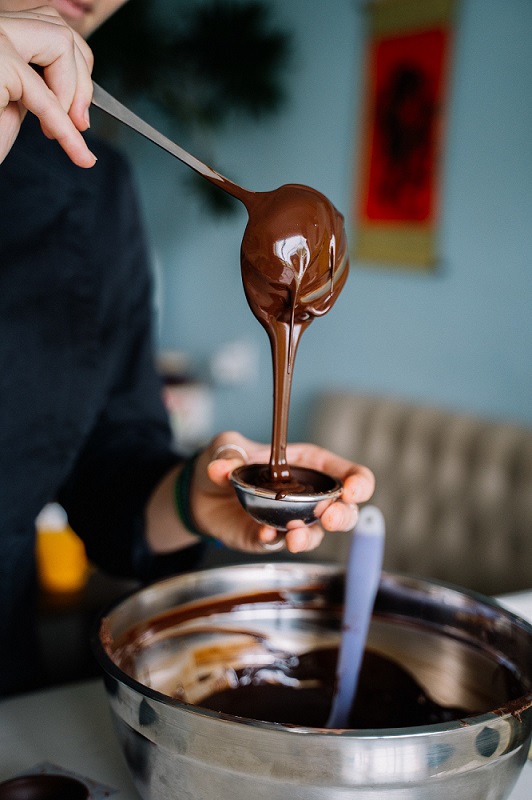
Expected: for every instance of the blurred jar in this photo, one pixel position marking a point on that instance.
(188, 400)
(62, 562)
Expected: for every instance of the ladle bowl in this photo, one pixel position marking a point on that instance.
(272, 506)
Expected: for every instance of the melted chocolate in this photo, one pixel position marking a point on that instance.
(288, 688)
(294, 264)
(303, 481)
(299, 692)
(43, 787)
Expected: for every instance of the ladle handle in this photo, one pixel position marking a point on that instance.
(106, 102)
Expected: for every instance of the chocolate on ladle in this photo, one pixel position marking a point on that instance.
(294, 264)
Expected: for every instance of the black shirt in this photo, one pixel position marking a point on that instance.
(81, 417)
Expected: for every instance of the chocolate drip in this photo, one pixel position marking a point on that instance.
(294, 264)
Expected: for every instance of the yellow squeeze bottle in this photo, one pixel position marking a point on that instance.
(61, 558)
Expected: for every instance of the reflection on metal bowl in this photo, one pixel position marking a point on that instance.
(169, 646)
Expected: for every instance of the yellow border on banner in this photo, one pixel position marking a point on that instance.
(400, 245)
(395, 16)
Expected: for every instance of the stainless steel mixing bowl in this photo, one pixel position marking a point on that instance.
(168, 645)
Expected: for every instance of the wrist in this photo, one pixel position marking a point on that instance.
(183, 498)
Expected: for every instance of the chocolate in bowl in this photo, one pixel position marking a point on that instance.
(43, 787)
(169, 647)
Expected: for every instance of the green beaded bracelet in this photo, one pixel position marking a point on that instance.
(182, 488)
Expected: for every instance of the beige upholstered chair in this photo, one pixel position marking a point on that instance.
(456, 491)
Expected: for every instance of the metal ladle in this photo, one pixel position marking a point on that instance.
(106, 102)
(267, 506)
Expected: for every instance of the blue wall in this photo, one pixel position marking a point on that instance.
(461, 336)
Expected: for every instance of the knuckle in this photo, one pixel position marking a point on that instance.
(66, 36)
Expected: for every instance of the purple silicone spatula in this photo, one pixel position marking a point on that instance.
(361, 584)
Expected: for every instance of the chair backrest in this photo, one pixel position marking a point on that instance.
(456, 490)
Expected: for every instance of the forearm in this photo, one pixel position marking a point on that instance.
(165, 530)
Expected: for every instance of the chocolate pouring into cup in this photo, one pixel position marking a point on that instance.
(294, 264)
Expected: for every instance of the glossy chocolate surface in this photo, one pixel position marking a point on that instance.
(299, 692)
(241, 651)
(294, 264)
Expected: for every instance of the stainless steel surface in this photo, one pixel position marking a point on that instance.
(106, 102)
(449, 639)
(268, 508)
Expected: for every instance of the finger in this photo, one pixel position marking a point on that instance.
(301, 538)
(358, 485)
(360, 480)
(41, 37)
(72, 83)
(65, 86)
(42, 102)
(226, 452)
(256, 452)
(340, 517)
(220, 469)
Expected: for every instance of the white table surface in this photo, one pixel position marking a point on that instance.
(70, 727)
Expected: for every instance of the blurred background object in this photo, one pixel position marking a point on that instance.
(72, 593)
(199, 66)
(455, 489)
(188, 400)
(61, 559)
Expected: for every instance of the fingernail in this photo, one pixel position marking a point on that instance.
(94, 160)
(87, 118)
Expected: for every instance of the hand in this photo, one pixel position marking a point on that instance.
(61, 97)
(217, 511)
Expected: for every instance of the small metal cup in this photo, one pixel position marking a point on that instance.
(272, 507)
